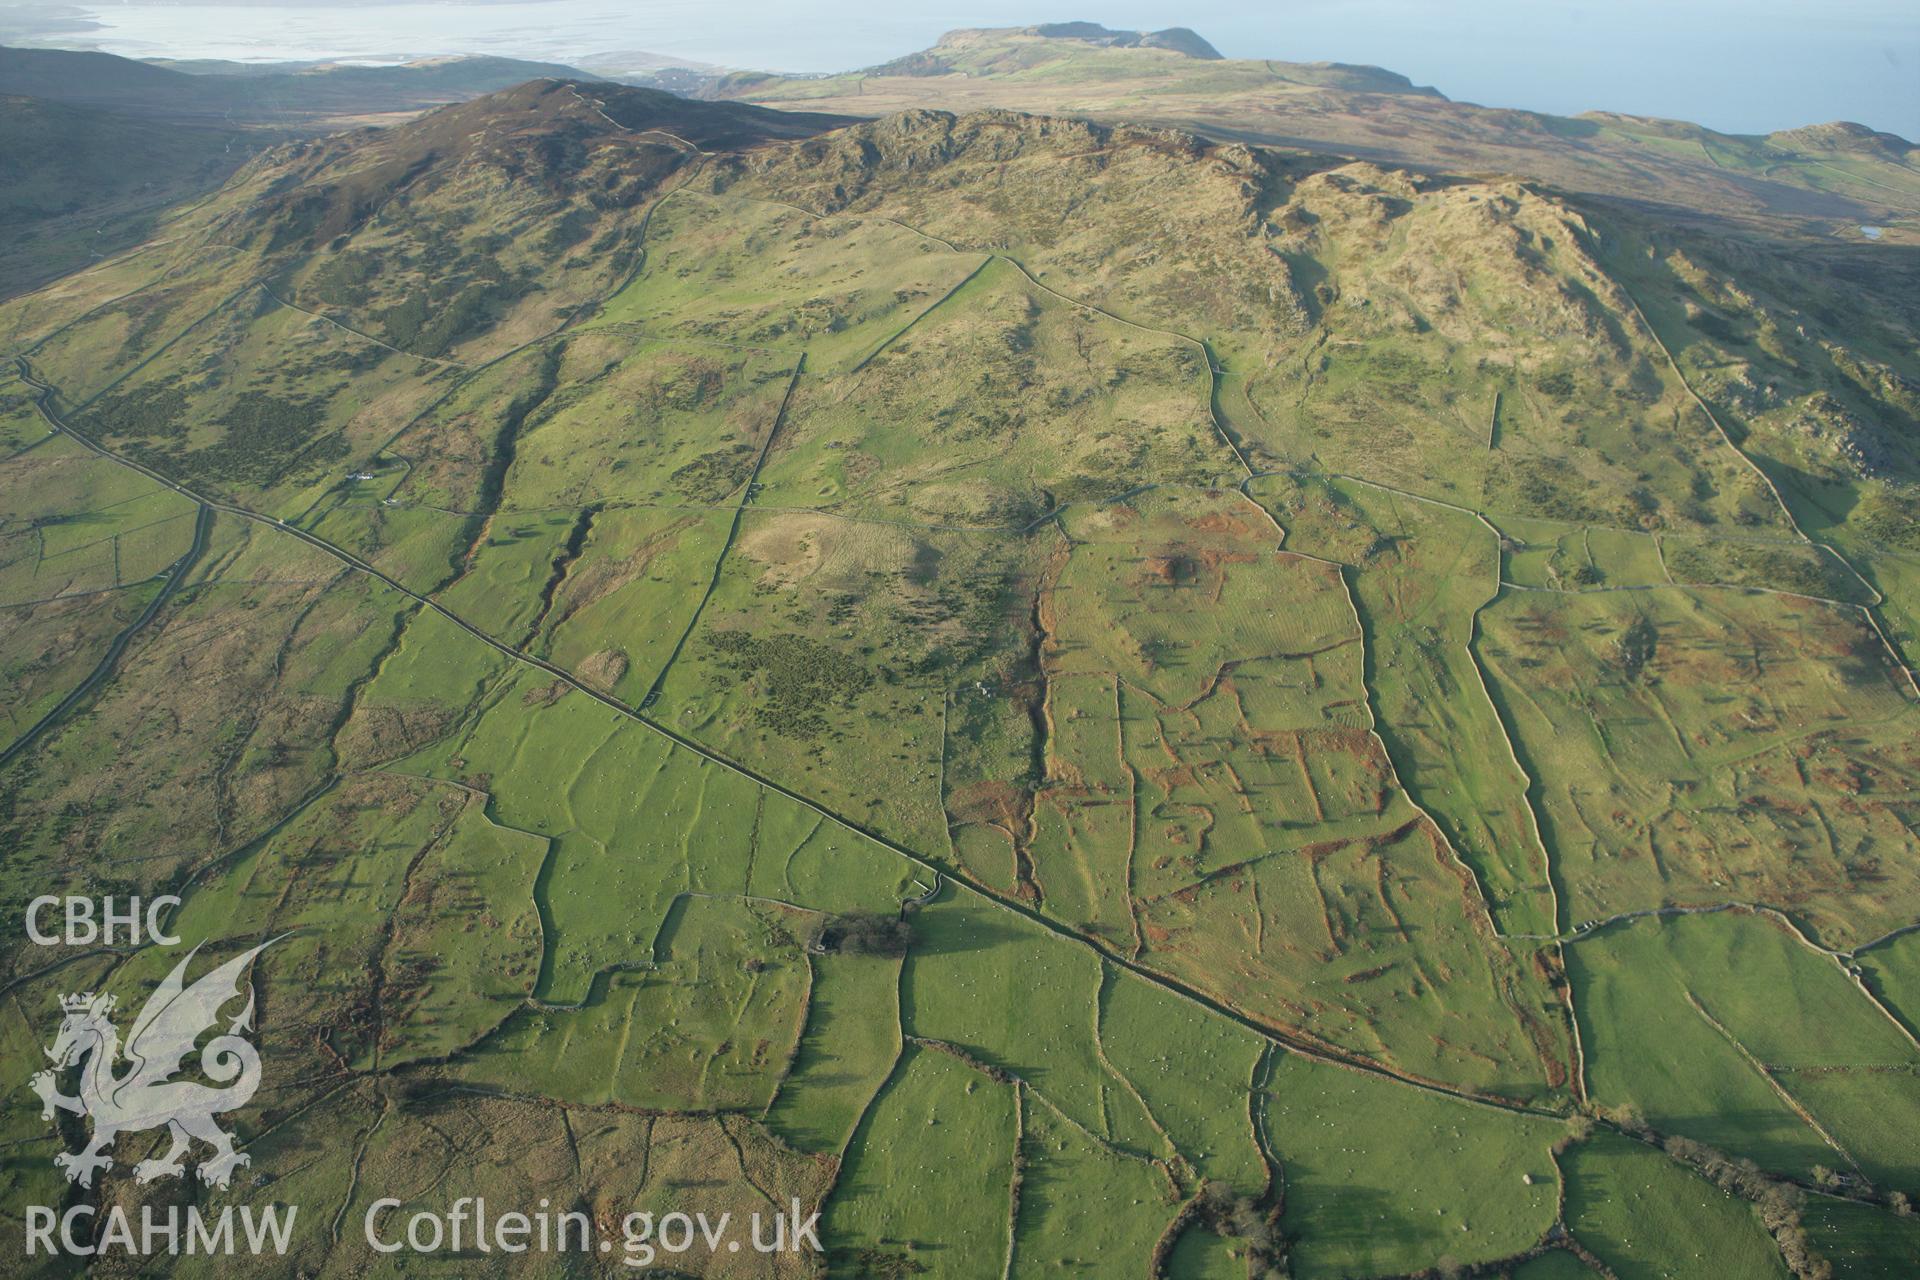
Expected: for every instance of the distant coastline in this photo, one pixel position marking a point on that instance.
(1765, 73)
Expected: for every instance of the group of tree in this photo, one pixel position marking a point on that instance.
(867, 934)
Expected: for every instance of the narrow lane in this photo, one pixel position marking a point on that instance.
(1291, 1041)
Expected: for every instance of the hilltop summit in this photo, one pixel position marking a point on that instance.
(969, 49)
(1845, 136)
(1178, 39)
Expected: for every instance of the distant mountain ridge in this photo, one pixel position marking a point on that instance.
(1847, 136)
(546, 136)
(234, 94)
(1048, 49)
(1835, 135)
(950, 53)
(1828, 179)
(1178, 39)
(94, 145)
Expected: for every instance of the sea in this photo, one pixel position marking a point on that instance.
(1741, 66)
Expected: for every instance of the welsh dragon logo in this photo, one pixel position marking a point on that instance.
(143, 1095)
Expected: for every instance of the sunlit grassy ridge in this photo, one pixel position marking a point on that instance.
(1825, 180)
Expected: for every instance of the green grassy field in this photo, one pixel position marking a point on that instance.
(1420, 573)
(1555, 1264)
(1083, 1207)
(933, 1180)
(1645, 1217)
(1730, 1029)
(1894, 970)
(1349, 1143)
(1862, 1242)
(1186, 1063)
(1668, 778)
(845, 1055)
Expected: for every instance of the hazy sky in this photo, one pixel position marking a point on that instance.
(1743, 67)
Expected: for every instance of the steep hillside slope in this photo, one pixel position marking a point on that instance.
(78, 184)
(94, 146)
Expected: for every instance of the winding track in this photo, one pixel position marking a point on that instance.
(176, 575)
(45, 403)
(1293, 1042)
(733, 531)
(1780, 499)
